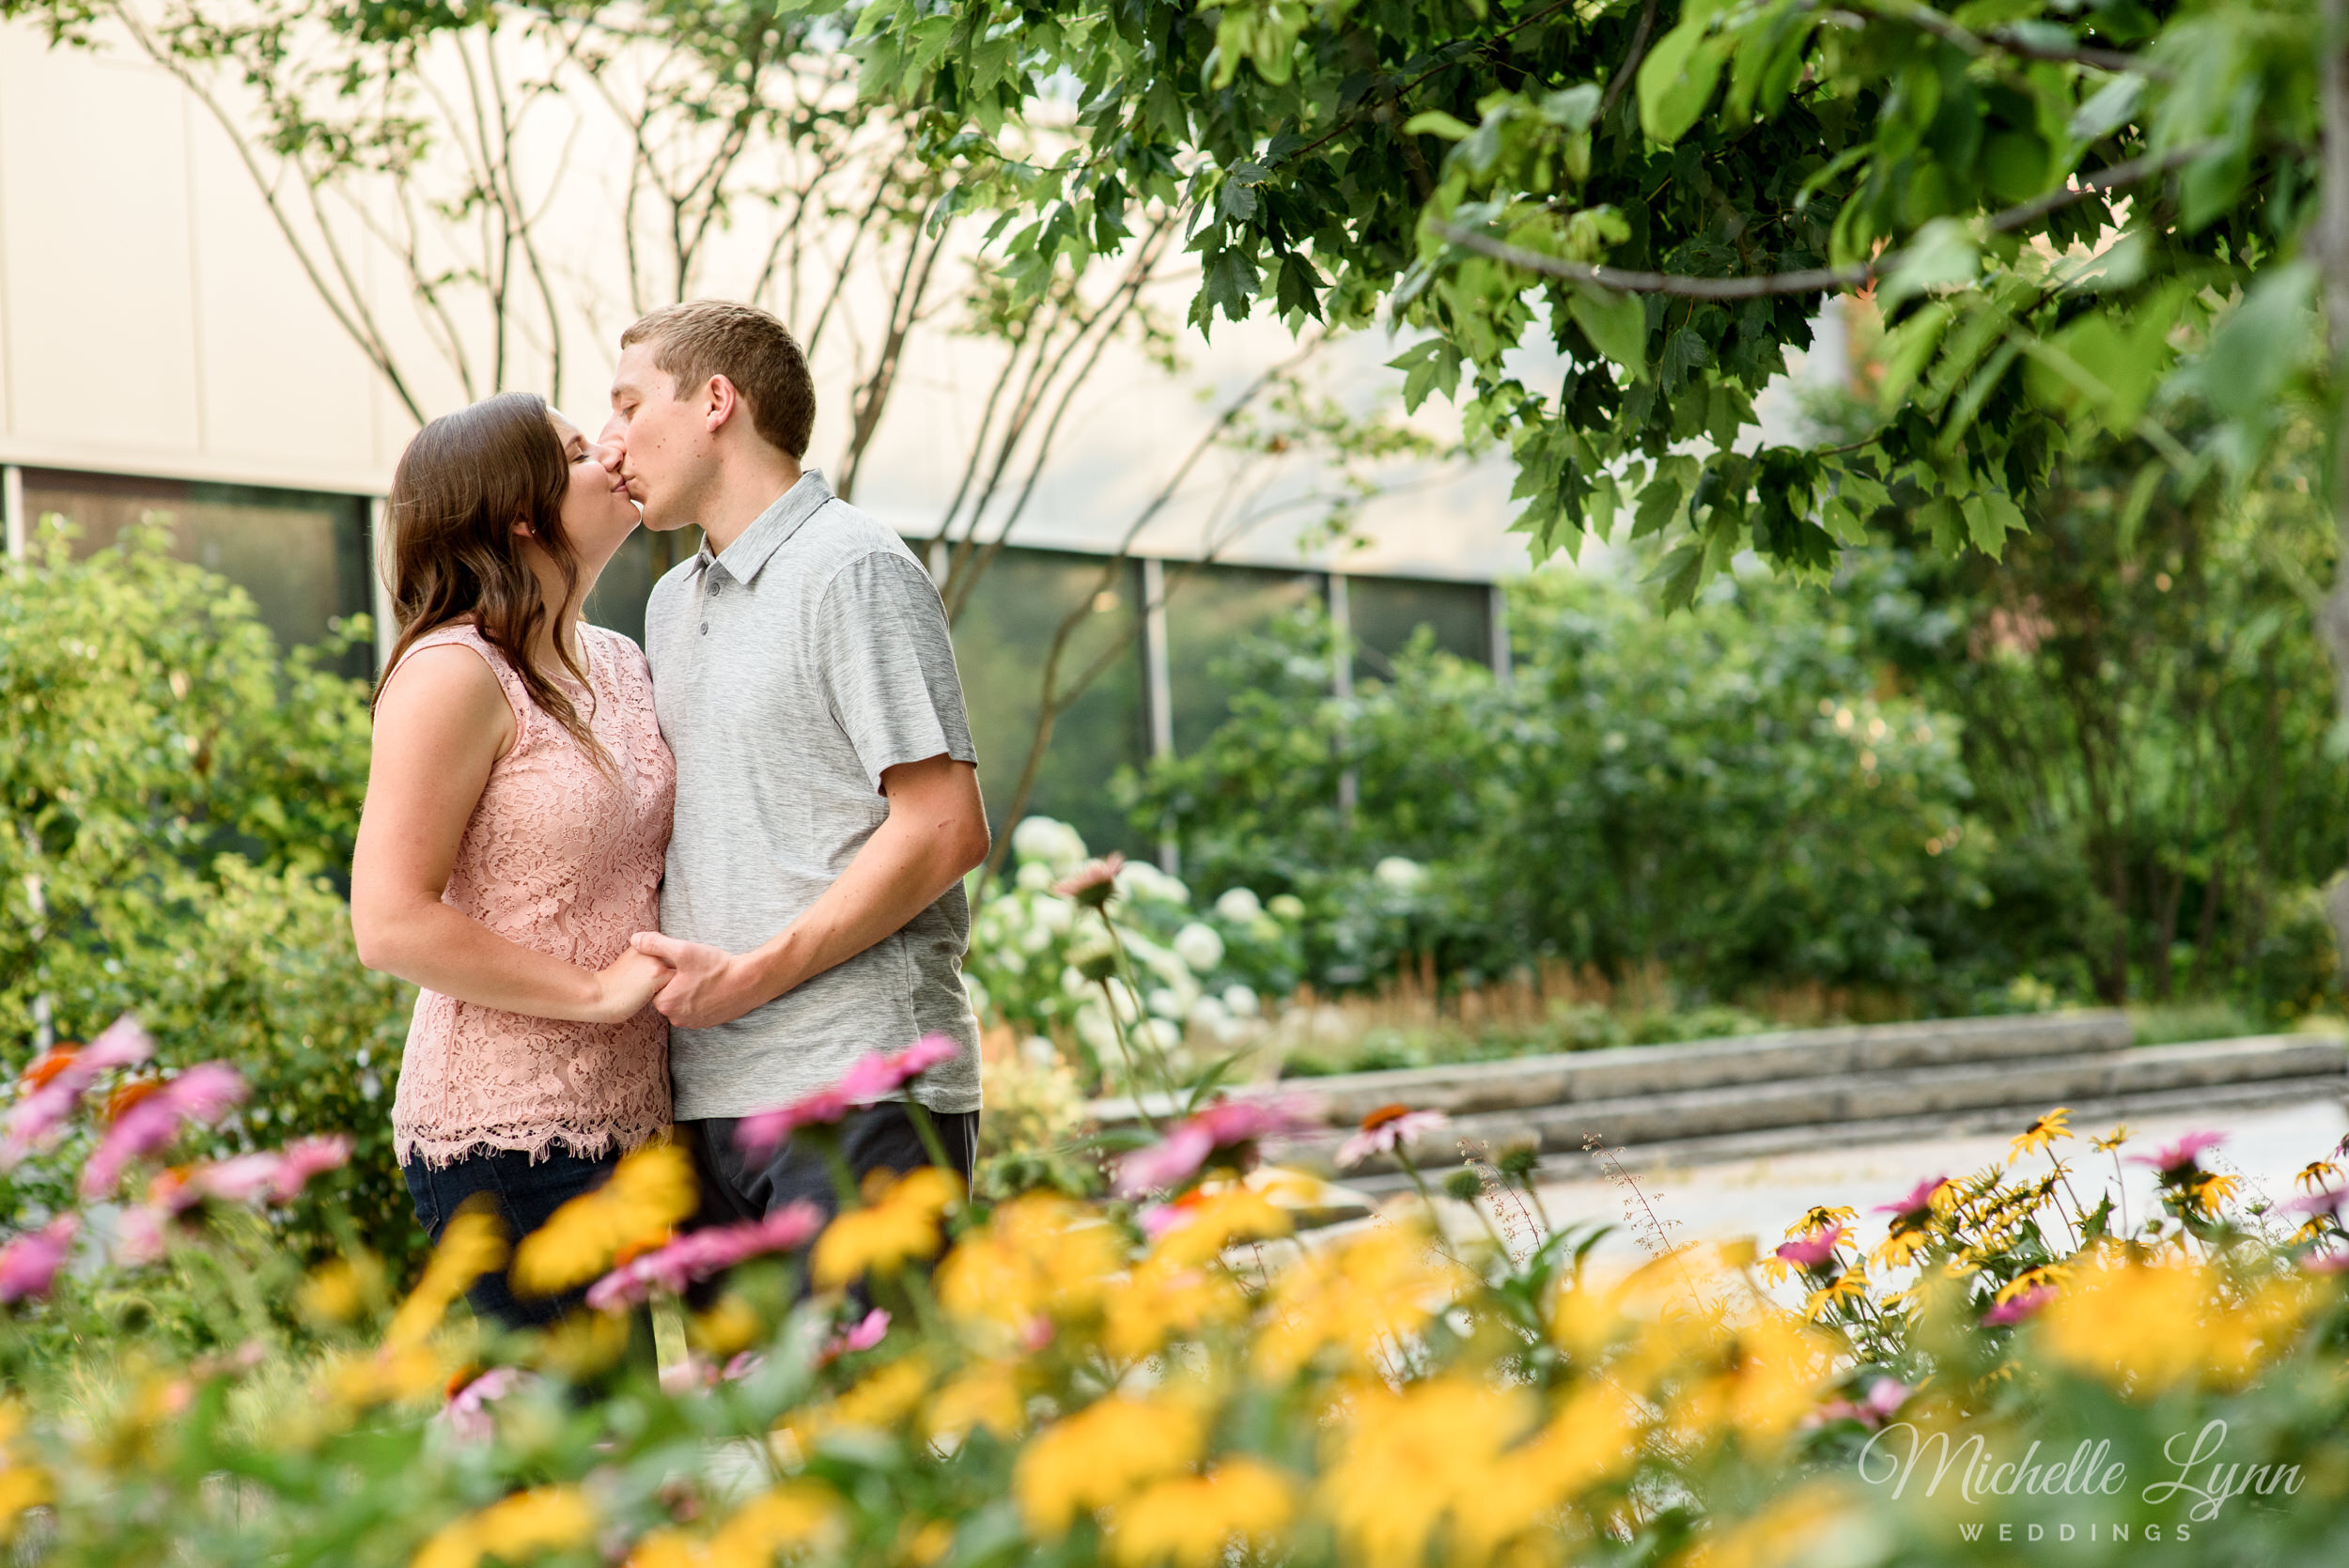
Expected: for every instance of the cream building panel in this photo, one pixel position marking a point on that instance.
(94, 213)
(286, 392)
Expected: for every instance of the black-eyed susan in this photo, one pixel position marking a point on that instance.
(900, 1222)
(513, 1529)
(1198, 1521)
(1103, 1455)
(2048, 1129)
(648, 1192)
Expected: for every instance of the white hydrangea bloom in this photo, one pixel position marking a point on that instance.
(1289, 907)
(1047, 840)
(1056, 915)
(1160, 1034)
(1399, 875)
(1035, 876)
(1165, 1003)
(1209, 1014)
(1238, 905)
(1199, 946)
(1241, 1002)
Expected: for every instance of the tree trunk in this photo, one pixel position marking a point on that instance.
(2333, 252)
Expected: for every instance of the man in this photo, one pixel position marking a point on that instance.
(827, 799)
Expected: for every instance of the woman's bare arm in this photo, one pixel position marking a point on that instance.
(440, 726)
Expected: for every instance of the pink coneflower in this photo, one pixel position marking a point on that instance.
(1916, 1205)
(1884, 1397)
(1811, 1251)
(467, 1412)
(698, 1254)
(868, 1079)
(58, 1080)
(2325, 1199)
(202, 1093)
(863, 1334)
(2180, 1155)
(1091, 883)
(2015, 1308)
(2326, 1263)
(1385, 1129)
(303, 1161)
(29, 1263)
(1225, 1124)
(139, 1234)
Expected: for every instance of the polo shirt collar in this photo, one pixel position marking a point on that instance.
(745, 558)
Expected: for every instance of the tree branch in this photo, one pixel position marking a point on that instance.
(1810, 280)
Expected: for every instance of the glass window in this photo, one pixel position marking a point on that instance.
(1000, 641)
(1385, 613)
(1207, 610)
(301, 555)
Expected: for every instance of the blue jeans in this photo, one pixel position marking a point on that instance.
(523, 1194)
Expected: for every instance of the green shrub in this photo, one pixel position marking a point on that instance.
(179, 802)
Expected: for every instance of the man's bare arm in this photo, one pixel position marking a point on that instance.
(935, 832)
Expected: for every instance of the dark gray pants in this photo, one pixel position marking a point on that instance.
(736, 1188)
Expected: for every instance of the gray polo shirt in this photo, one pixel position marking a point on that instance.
(788, 673)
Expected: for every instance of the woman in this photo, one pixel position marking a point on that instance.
(517, 817)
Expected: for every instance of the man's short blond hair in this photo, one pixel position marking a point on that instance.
(702, 338)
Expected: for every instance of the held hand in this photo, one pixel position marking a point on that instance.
(628, 984)
(709, 985)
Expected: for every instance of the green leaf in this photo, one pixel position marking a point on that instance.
(1676, 80)
(1435, 122)
(1659, 503)
(1616, 323)
(1941, 255)
(2109, 109)
(1990, 517)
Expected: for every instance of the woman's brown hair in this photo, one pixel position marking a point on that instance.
(461, 487)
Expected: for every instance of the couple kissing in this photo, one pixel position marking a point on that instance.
(674, 886)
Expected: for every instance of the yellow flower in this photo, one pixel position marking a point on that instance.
(730, 1324)
(2120, 1133)
(395, 1373)
(22, 1487)
(1164, 1298)
(1775, 1369)
(796, 1513)
(2137, 1326)
(878, 1402)
(1409, 1461)
(2050, 1128)
(544, 1519)
(1209, 1224)
(1101, 1455)
(928, 1543)
(2317, 1176)
(1788, 1531)
(474, 1244)
(583, 1343)
(647, 1193)
(899, 1223)
(1039, 1257)
(339, 1290)
(1850, 1285)
(987, 1394)
(1192, 1521)
(1384, 1283)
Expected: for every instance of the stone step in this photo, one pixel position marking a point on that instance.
(2090, 1117)
(1623, 1072)
(1930, 1097)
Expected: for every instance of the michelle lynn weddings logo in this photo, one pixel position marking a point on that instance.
(2195, 1475)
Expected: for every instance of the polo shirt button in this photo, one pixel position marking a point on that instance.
(705, 629)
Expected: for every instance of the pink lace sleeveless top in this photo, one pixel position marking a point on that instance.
(564, 859)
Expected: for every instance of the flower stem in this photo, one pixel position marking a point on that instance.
(1133, 1073)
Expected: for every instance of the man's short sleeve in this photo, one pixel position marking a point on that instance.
(889, 665)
